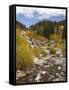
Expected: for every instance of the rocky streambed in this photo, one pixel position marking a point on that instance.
(46, 68)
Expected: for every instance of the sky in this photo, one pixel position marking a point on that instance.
(30, 15)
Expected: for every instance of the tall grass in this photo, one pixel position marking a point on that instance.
(24, 55)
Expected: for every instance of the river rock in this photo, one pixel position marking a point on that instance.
(64, 67)
(51, 77)
(59, 61)
(20, 74)
(47, 51)
(57, 74)
(62, 73)
(48, 57)
(38, 77)
(41, 55)
(39, 61)
(58, 52)
(46, 66)
(59, 68)
(56, 79)
(43, 72)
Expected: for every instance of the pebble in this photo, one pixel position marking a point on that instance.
(43, 72)
(59, 68)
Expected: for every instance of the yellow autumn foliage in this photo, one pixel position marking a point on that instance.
(24, 56)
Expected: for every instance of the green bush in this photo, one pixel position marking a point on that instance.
(44, 53)
(59, 44)
(36, 51)
(52, 51)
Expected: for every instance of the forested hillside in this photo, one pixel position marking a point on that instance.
(47, 28)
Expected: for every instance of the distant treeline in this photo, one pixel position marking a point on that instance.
(46, 28)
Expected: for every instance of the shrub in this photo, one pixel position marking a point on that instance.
(36, 51)
(24, 55)
(59, 44)
(44, 53)
(52, 51)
